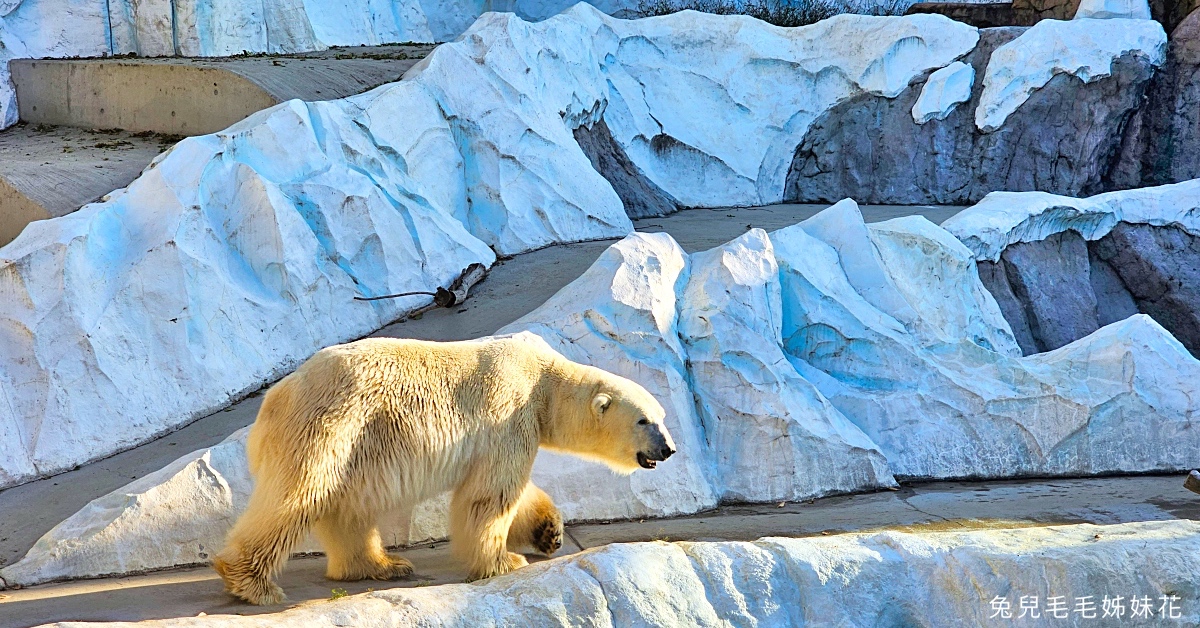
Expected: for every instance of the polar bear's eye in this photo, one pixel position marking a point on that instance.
(644, 421)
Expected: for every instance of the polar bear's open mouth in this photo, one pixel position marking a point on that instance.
(646, 462)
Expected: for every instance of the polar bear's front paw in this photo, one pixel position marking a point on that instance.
(507, 563)
(368, 567)
(548, 538)
(394, 568)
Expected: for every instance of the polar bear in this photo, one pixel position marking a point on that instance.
(363, 427)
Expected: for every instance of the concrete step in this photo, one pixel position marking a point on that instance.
(48, 171)
(194, 96)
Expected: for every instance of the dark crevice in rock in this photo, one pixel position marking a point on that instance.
(641, 197)
(1060, 289)
(1064, 139)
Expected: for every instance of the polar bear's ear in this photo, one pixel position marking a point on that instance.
(600, 403)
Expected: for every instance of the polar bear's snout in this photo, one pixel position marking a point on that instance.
(661, 446)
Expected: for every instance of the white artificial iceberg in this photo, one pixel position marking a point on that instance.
(944, 90)
(1002, 219)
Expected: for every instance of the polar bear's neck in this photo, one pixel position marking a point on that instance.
(566, 424)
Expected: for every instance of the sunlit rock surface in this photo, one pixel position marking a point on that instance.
(772, 433)
(884, 578)
(897, 331)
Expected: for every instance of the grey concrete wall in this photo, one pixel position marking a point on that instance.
(111, 94)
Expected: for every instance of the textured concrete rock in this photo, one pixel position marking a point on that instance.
(1084, 48)
(1108, 9)
(979, 15)
(1047, 9)
(713, 80)
(639, 195)
(945, 89)
(1062, 288)
(884, 578)
(1159, 267)
(772, 433)
(1005, 218)
(1051, 283)
(1142, 255)
(206, 28)
(944, 394)
(234, 257)
(1062, 138)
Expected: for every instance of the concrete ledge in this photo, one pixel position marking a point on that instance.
(194, 96)
(46, 172)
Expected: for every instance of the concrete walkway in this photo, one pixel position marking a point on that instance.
(933, 506)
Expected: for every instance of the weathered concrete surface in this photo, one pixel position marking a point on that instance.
(946, 506)
(1062, 139)
(195, 96)
(1047, 9)
(979, 14)
(513, 288)
(1162, 142)
(52, 171)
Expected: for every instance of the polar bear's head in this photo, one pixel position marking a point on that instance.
(625, 425)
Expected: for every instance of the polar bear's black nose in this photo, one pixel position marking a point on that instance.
(666, 452)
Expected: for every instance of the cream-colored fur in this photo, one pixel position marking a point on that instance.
(363, 427)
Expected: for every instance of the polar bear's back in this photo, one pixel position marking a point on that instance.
(407, 409)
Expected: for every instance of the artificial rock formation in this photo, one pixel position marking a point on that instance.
(1046, 111)
(1162, 143)
(874, 579)
(1060, 268)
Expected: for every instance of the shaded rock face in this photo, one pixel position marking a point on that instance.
(1047, 9)
(979, 15)
(640, 196)
(1044, 290)
(1162, 142)
(1063, 139)
(1172, 13)
(1060, 289)
(1160, 269)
